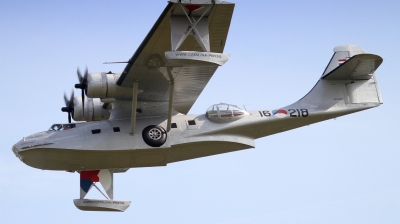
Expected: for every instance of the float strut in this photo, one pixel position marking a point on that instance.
(134, 106)
(171, 101)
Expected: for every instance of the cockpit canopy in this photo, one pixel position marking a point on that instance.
(60, 127)
(223, 112)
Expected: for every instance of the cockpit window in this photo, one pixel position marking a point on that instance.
(60, 127)
(68, 126)
(225, 113)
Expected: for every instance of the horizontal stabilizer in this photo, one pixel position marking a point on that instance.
(358, 67)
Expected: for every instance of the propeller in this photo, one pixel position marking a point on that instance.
(69, 105)
(82, 85)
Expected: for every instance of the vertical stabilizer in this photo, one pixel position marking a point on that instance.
(348, 83)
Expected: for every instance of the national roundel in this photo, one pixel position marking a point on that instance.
(279, 113)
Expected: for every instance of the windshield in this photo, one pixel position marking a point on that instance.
(60, 127)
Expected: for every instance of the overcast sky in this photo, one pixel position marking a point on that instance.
(339, 171)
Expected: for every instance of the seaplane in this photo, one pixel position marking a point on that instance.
(139, 118)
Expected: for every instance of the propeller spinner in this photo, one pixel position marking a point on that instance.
(69, 106)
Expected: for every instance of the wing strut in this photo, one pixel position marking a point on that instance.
(171, 101)
(134, 106)
(192, 26)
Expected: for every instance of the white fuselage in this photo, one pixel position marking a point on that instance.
(110, 144)
(80, 149)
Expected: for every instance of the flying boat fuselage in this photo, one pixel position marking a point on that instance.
(109, 144)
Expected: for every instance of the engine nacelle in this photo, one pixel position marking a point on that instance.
(104, 85)
(93, 110)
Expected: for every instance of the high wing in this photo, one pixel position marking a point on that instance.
(172, 33)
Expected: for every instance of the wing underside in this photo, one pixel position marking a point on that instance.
(154, 72)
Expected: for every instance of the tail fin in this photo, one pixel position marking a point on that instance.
(348, 82)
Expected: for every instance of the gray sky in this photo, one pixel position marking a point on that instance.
(339, 171)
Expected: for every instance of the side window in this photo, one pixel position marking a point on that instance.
(191, 124)
(96, 131)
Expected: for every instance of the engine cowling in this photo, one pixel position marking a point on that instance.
(93, 110)
(104, 85)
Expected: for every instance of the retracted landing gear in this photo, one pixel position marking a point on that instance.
(154, 135)
(88, 180)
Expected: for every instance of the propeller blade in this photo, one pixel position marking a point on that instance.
(69, 117)
(69, 105)
(84, 81)
(83, 104)
(71, 100)
(83, 86)
(79, 75)
(66, 100)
